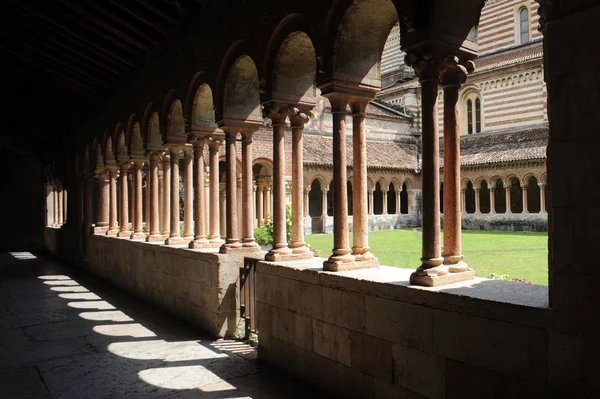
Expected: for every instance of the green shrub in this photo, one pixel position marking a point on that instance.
(264, 235)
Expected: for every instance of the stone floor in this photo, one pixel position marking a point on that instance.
(66, 334)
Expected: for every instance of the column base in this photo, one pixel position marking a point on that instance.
(155, 238)
(138, 236)
(176, 241)
(99, 230)
(239, 250)
(112, 233)
(337, 263)
(188, 237)
(124, 234)
(455, 263)
(436, 280)
(204, 243)
(297, 253)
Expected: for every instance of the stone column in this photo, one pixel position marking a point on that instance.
(138, 208)
(88, 210)
(431, 261)
(254, 202)
(398, 200)
(232, 241)
(133, 199)
(161, 199)
(455, 201)
(477, 201)
(259, 205)
(324, 192)
(280, 246)
(410, 201)
(166, 197)
(298, 246)
(360, 207)
(124, 196)
(214, 235)
(223, 214)
(492, 200)
(200, 240)
(267, 200)
(102, 201)
(147, 194)
(371, 190)
(525, 210)
(54, 206)
(341, 258)
(188, 195)
(542, 197)
(306, 205)
(384, 194)
(508, 205)
(174, 235)
(113, 227)
(155, 215)
(60, 206)
(247, 193)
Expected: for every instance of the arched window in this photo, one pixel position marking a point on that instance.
(524, 25)
(469, 117)
(477, 115)
(472, 118)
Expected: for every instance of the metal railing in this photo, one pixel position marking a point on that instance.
(248, 295)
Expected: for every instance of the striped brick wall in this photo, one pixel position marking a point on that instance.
(499, 23)
(392, 58)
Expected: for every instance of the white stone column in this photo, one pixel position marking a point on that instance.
(477, 200)
(124, 197)
(542, 197)
(188, 195)
(113, 227)
(153, 221)
(306, 204)
(259, 204)
(525, 210)
(492, 200)
(324, 191)
(166, 198)
(371, 207)
(508, 205)
(174, 235)
(398, 200)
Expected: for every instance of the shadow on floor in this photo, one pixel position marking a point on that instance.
(67, 334)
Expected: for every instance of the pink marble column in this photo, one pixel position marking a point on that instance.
(259, 204)
(477, 200)
(542, 197)
(113, 227)
(55, 206)
(306, 209)
(174, 235)
(370, 192)
(360, 206)
(138, 226)
(166, 197)
(324, 191)
(102, 202)
(298, 246)
(188, 195)
(147, 194)
(525, 207)
(341, 258)
(384, 194)
(267, 200)
(214, 235)
(124, 197)
(492, 200)
(453, 75)
(154, 220)
(398, 200)
(508, 204)
(232, 242)
(280, 248)
(200, 240)
(431, 261)
(223, 214)
(247, 193)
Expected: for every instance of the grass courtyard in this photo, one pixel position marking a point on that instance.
(523, 255)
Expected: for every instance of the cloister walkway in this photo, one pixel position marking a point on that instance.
(66, 334)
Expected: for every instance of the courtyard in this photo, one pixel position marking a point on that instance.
(516, 254)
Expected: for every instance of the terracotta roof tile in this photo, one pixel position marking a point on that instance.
(501, 147)
(380, 154)
(509, 57)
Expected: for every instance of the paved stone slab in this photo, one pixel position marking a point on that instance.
(20, 383)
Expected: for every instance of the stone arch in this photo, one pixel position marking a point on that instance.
(484, 195)
(238, 86)
(499, 195)
(151, 129)
(357, 41)
(533, 194)
(315, 197)
(134, 138)
(378, 204)
(516, 194)
(109, 154)
(120, 144)
(291, 61)
(200, 106)
(173, 130)
(469, 188)
(391, 198)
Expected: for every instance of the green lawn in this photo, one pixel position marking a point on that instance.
(523, 255)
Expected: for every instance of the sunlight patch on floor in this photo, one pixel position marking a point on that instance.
(81, 295)
(134, 330)
(23, 255)
(100, 305)
(74, 288)
(108, 315)
(183, 377)
(177, 351)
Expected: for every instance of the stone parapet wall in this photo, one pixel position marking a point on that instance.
(533, 222)
(367, 334)
(201, 287)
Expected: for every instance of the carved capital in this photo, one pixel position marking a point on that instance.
(452, 73)
(276, 112)
(300, 116)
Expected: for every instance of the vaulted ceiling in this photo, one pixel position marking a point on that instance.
(59, 57)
